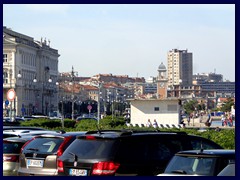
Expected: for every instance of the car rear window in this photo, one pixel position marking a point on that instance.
(44, 145)
(91, 149)
(12, 147)
(192, 165)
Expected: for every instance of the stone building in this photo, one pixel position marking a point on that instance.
(30, 67)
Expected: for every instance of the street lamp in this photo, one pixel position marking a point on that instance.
(50, 81)
(62, 119)
(99, 92)
(11, 115)
(72, 84)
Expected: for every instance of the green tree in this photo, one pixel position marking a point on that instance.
(227, 105)
(190, 106)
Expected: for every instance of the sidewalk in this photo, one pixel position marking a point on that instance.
(196, 122)
(200, 122)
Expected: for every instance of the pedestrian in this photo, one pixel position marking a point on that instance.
(225, 123)
(188, 120)
(230, 120)
(217, 129)
(155, 124)
(223, 119)
(149, 124)
(209, 120)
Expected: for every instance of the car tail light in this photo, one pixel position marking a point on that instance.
(60, 166)
(90, 137)
(62, 146)
(105, 168)
(26, 144)
(10, 158)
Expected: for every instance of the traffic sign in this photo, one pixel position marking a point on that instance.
(89, 107)
(11, 94)
(6, 102)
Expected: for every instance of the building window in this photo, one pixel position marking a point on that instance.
(156, 108)
(4, 58)
(5, 77)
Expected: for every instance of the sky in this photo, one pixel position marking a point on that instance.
(130, 39)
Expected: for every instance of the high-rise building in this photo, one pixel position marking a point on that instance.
(179, 67)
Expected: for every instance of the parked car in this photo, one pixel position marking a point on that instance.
(85, 118)
(39, 156)
(11, 119)
(126, 152)
(21, 132)
(229, 170)
(199, 162)
(11, 150)
(21, 127)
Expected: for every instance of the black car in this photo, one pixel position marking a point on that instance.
(126, 152)
(199, 162)
(39, 156)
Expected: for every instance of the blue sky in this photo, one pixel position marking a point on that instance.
(130, 39)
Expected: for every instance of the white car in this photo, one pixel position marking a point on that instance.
(20, 133)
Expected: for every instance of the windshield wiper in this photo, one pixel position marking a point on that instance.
(32, 149)
(75, 156)
(179, 172)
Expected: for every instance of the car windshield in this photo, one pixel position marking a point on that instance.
(85, 149)
(191, 165)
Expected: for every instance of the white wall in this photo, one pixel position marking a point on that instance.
(142, 110)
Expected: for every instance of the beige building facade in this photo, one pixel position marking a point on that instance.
(30, 68)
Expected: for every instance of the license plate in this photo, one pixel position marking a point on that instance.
(34, 163)
(77, 172)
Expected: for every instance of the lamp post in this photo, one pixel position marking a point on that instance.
(11, 115)
(99, 92)
(72, 83)
(62, 118)
(43, 83)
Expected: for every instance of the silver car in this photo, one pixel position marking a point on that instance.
(11, 150)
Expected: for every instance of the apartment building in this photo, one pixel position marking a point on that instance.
(179, 67)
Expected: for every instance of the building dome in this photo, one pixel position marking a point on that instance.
(162, 67)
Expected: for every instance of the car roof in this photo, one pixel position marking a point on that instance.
(21, 127)
(61, 134)
(124, 133)
(18, 139)
(18, 132)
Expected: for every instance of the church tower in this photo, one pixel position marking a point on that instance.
(162, 82)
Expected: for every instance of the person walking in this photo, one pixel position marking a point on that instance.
(230, 120)
(188, 120)
(155, 124)
(223, 119)
(149, 124)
